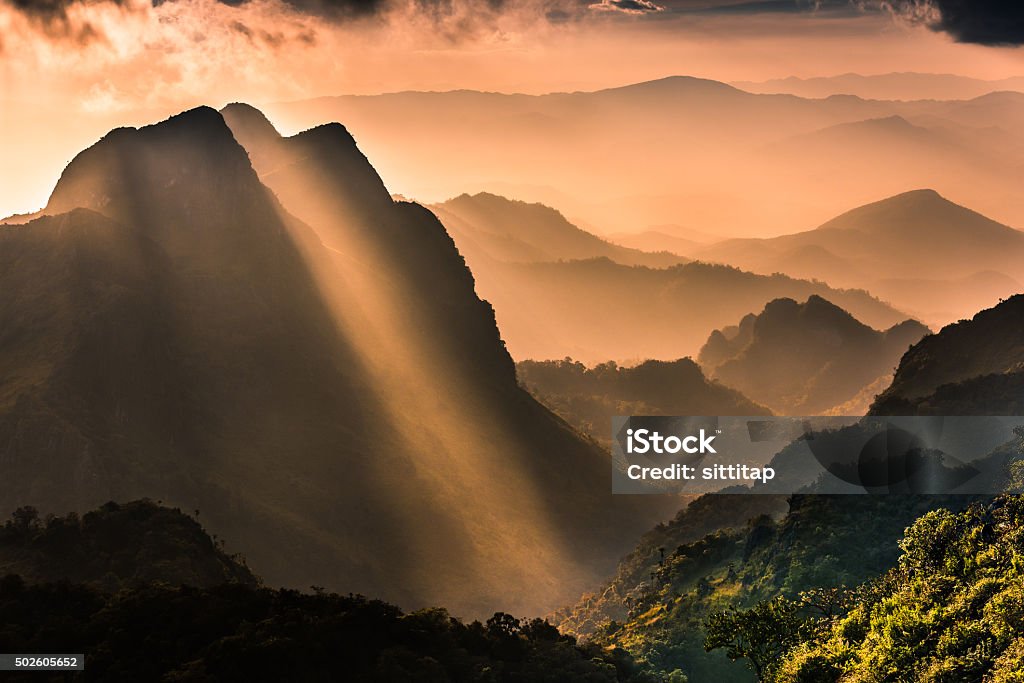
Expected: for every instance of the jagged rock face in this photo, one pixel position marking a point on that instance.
(332, 396)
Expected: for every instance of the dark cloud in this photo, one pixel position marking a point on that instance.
(740, 7)
(52, 17)
(986, 22)
(627, 6)
(330, 9)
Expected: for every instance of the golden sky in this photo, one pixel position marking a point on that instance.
(76, 68)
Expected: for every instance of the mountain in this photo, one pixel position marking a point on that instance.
(588, 398)
(892, 86)
(117, 547)
(681, 151)
(487, 226)
(327, 390)
(804, 358)
(973, 367)
(970, 261)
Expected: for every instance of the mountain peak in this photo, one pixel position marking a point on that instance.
(161, 177)
(246, 120)
(922, 214)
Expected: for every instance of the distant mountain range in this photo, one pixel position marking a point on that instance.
(307, 365)
(686, 151)
(806, 358)
(919, 251)
(892, 86)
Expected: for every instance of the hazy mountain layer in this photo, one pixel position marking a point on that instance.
(487, 226)
(805, 359)
(894, 86)
(335, 400)
(917, 250)
(598, 310)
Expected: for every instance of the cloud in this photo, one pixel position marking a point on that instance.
(626, 6)
(329, 9)
(66, 19)
(986, 22)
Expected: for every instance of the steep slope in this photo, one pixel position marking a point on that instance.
(804, 359)
(880, 247)
(117, 547)
(336, 401)
(588, 398)
(485, 225)
(974, 366)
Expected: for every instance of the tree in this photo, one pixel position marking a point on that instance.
(761, 634)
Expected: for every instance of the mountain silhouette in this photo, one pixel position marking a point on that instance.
(917, 250)
(485, 225)
(804, 359)
(327, 390)
(972, 367)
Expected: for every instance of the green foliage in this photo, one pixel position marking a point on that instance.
(952, 609)
(820, 547)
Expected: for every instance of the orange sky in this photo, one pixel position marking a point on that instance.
(64, 83)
